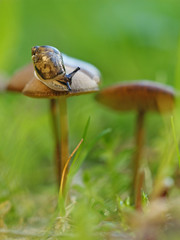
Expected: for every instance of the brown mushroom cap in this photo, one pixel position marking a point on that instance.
(21, 78)
(26, 74)
(138, 95)
(82, 83)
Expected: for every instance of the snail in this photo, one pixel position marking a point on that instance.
(49, 68)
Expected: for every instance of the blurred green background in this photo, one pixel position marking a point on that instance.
(125, 39)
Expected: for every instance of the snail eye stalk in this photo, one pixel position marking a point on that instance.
(70, 75)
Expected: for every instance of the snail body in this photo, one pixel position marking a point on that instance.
(49, 68)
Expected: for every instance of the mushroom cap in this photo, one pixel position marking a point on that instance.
(85, 67)
(138, 95)
(21, 78)
(26, 74)
(83, 82)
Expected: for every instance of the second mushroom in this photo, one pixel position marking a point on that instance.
(142, 97)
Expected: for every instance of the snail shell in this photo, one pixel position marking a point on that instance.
(49, 68)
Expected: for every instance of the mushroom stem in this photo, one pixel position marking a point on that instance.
(64, 153)
(54, 117)
(140, 181)
(138, 152)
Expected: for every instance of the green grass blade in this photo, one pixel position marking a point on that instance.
(79, 160)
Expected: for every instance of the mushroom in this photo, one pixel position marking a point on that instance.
(88, 73)
(20, 78)
(85, 81)
(140, 96)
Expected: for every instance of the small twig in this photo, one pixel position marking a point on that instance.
(65, 167)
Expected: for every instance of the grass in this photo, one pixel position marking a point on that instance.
(126, 40)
